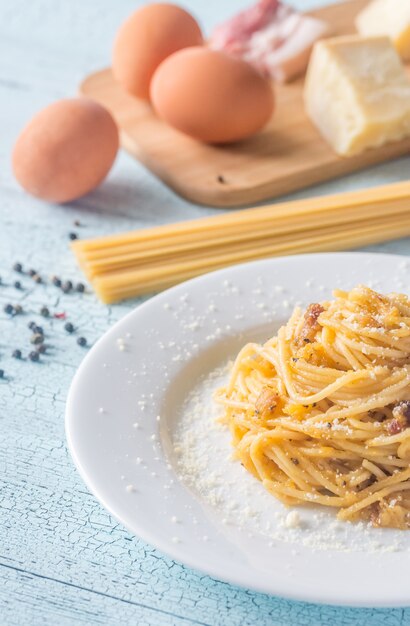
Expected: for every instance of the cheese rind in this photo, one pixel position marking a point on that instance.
(357, 93)
(387, 17)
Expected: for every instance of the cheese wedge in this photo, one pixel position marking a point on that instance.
(357, 93)
(388, 17)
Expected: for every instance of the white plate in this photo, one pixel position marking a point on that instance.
(128, 409)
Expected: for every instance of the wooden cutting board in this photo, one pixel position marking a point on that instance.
(288, 155)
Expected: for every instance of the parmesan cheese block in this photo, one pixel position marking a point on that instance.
(388, 17)
(357, 93)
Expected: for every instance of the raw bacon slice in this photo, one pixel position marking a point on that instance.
(236, 32)
(273, 37)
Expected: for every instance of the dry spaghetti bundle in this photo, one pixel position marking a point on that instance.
(321, 412)
(148, 260)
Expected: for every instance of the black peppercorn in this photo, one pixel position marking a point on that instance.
(37, 278)
(16, 354)
(1, 373)
(31, 325)
(44, 311)
(32, 273)
(82, 341)
(68, 327)
(38, 330)
(17, 284)
(17, 267)
(73, 236)
(34, 356)
(67, 286)
(80, 287)
(56, 281)
(41, 348)
(9, 309)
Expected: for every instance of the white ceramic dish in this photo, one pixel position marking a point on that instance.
(124, 413)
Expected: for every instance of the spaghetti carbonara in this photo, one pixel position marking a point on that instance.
(321, 412)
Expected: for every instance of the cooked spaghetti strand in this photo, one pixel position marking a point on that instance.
(321, 412)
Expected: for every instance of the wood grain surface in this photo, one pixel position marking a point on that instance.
(287, 155)
(63, 560)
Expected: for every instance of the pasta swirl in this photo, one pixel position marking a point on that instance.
(321, 412)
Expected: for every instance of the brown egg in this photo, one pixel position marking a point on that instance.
(148, 37)
(66, 150)
(210, 96)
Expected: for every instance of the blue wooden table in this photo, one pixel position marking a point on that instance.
(63, 559)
